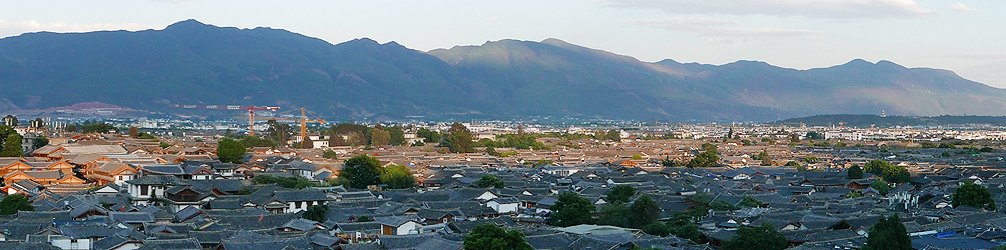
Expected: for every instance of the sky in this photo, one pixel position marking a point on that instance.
(965, 36)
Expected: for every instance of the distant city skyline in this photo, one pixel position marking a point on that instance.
(964, 36)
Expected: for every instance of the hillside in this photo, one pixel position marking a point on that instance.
(194, 63)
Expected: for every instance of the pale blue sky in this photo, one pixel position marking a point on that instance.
(966, 36)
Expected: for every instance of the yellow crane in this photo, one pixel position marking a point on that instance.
(303, 121)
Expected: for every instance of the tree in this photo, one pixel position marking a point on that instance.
(12, 146)
(888, 234)
(657, 228)
(704, 160)
(764, 237)
(397, 177)
(229, 150)
(380, 137)
(459, 138)
(316, 213)
(570, 210)
(814, 135)
(620, 193)
(134, 132)
(490, 181)
(13, 203)
(615, 214)
(306, 143)
(643, 212)
(890, 173)
(881, 186)
(971, 194)
(748, 201)
(681, 225)
(39, 142)
(766, 160)
(71, 128)
(488, 236)
(428, 135)
(613, 135)
(280, 132)
(329, 154)
(855, 172)
(164, 145)
(397, 136)
(361, 171)
(792, 164)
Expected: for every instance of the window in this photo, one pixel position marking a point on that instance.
(143, 189)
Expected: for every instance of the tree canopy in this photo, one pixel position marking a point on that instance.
(490, 181)
(971, 194)
(397, 177)
(459, 138)
(881, 186)
(316, 213)
(12, 146)
(855, 172)
(361, 171)
(488, 236)
(764, 237)
(570, 210)
(704, 160)
(643, 212)
(229, 150)
(12, 203)
(890, 173)
(888, 234)
(620, 193)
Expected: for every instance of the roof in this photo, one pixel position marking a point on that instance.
(131, 217)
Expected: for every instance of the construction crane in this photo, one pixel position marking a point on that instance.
(303, 121)
(251, 111)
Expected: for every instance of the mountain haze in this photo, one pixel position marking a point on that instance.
(193, 63)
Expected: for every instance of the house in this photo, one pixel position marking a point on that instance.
(504, 205)
(141, 189)
(399, 225)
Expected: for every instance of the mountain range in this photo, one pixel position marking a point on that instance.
(190, 62)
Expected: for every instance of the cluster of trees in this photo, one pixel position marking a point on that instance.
(611, 135)
(10, 142)
(316, 213)
(855, 172)
(488, 236)
(708, 158)
(518, 141)
(229, 150)
(295, 182)
(571, 209)
(361, 171)
(887, 171)
(888, 234)
(93, 127)
(349, 134)
(971, 194)
(765, 159)
(490, 181)
(12, 203)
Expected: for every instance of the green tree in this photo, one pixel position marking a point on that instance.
(814, 135)
(164, 145)
(316, 213)
(459, 138)
(10, 121)
(397, 177)
(71, 128)
(764, 237)
(255, 141)
(329, 154)
(657, 228)
(971, 194)
(613, 135)
(681, 225)
(881, 186)
(12, 146)
(39, 142)
(361, 171)
(766, 160)
(428, 136)
(380, 137)
(643, 212)
(280, 132)
(570, 210)
(890, 173)
(615, 214)
(488, 236)
(489, 181)
(888, 234)
(13, 203)
(397, 136)
(855, 172)
(307, 143)
(748, 201)
(792, 164)
(704, 160)
(620, 193)
(230, 151)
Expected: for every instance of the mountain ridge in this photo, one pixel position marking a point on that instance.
(190, 62)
